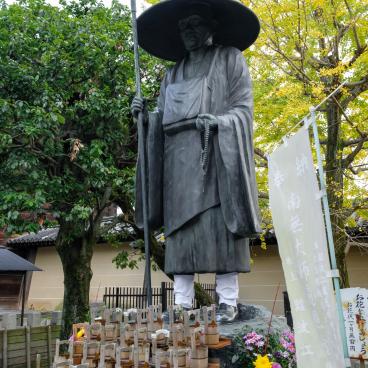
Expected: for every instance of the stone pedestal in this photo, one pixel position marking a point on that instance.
(33, 318)
(9, 321)
(56, 317)
(251, 318)
(96, 310)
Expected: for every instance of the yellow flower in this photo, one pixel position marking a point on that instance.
(262, 362)
(80, 333)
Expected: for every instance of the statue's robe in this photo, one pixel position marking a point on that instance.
(208, 219)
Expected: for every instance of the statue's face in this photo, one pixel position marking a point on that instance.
(194, 32)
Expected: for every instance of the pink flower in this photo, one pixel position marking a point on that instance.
(253, 341)
(287, 341)
(276, 365)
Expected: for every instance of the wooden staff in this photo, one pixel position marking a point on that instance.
(142, 157)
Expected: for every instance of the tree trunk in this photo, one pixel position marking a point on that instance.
(335, 188)
(76, 254)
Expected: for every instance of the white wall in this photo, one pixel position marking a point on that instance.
(257, 287)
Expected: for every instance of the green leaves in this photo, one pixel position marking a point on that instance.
(66, 134)
(79, 213)
(125, 260)
(305, 50)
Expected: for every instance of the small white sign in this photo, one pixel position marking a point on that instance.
(355, 306)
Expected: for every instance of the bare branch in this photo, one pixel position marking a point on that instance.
(353, 142)
(355, 91)
(274, 28)
(354, 27)
(359, 205)
(354, 84)
(321, 63)
(102, 203)
(357, 53)
(289, 61)
(358, 170)
(41, 154)
(287, 72)
(261, 164)
(346, 162)
(260, 153)
(263, 195)
(362, 134)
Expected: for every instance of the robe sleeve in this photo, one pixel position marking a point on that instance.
(234, 153)
(154, 139)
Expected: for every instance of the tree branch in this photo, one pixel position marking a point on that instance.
(362, 134)
(287, 72)
(263, 195)
(289, 61)
(352, 142)
(101, 204)
(356, 37)
(359, 205)
(346, 162)
(357, 171)
(260, 154)
(354, 84)
(356, 89)
(322, 63)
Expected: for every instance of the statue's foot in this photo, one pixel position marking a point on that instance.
(226, 313)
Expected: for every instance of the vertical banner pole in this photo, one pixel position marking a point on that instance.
(142, 157)
(330, 241)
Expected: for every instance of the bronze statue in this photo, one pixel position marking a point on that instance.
(200, 169)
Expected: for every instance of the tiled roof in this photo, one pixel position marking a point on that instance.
(47, 237)
(43, 237)
(9, 261)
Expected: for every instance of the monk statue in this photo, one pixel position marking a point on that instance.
(200, 164)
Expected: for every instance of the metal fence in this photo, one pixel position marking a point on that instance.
(135, 297)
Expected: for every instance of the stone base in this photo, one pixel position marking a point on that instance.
(253, 317)
(250, 318)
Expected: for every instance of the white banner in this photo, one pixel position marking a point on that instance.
(295, 202)
(355, 307)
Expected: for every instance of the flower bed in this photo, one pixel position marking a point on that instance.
(255, 350)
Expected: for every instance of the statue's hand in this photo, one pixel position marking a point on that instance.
(204, 119)
(137, 106)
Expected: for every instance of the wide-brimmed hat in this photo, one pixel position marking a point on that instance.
(158, 31)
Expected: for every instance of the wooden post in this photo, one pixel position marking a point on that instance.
(205, 319)
(38, 361)
(171, 317)
(158, 360)
(117, 293)
(28, 346)
(49, 347)
(164, 296)
(5, 348)
(23, 298)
